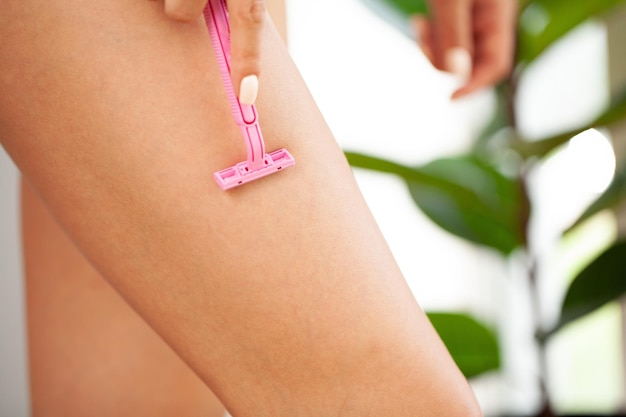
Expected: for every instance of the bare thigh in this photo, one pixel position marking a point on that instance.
(282, 295)
(90, 354)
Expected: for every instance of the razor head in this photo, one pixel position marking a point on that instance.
(241, 173)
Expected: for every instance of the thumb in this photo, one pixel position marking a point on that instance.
(453, 44)
(184, 10)
(247, 18)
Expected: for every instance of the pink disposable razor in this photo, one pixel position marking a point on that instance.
(259, 164)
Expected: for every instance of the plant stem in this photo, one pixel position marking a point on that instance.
(542, 362)
(534, 292)
(510, 94)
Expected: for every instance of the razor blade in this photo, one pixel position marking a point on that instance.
(258, 163)
(241, 173)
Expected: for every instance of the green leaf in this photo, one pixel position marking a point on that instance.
(404, 7)
(615, 112)
(540, 148)
(464, 196)
(499, 120)
(472, 345)
(603, 280)
(542, 22)
(374, 163)
(611, 198)
(490, 211)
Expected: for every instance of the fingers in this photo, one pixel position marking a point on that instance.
(474, 39)
(494, 44)
(184, 10)
(449, 36)
(246, 23)
(247, 18)
(424, 32)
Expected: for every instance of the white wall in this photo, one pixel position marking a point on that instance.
(13, 379)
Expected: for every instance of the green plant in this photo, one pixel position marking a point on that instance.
(470, 197)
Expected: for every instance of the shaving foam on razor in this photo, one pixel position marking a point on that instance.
(258, 164)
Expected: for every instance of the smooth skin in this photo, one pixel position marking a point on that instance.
(113, 119)
(90, 354)
(84, 338)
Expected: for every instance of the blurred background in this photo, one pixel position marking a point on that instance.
(477, 197)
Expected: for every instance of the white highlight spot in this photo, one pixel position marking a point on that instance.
(592, 161)
(534, 19)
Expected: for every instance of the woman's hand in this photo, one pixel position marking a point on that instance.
(246, 22)
(472, 38)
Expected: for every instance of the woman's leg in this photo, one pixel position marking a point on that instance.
(281, 295)
(85, 339)
(90, 353)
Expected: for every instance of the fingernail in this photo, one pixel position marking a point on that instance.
(459, 62)
(249, 89)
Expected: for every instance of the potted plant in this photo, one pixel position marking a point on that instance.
(493, 209)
